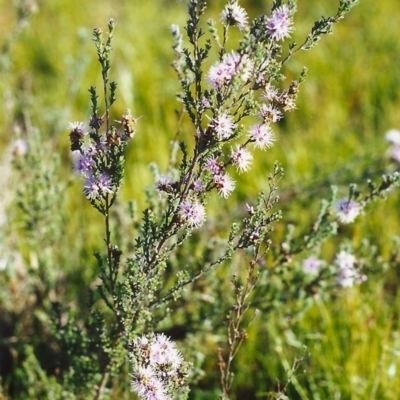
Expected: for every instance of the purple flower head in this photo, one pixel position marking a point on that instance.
(94, 188)
(262, 136)
(105, 184)
(193, 213)
(218, 75)
(91, 188)
(213, 165)
(84, 164)
(232, 62)
(279, 24)
(241, 158)
(232, 65)
(254, 236)
(96, 122)
(198, 185)
(206, 103)
(223, 72)
(234, 15)
(311, 265)
(347, 210)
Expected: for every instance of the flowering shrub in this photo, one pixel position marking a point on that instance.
(232, 101)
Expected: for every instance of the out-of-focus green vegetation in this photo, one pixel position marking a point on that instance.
(350, 98)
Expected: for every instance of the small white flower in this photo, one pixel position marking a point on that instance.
(223, 126)
(19, 147)
(225, 184)
(347, 210)
(270, 113)
(347, 274)
(290, 104)
(141, 342)
(193, 213)
(345, 260)
(311, 265)
(393, 136)
(76, 126)
(242, 158)
(270, 93)
(157, 363)
(164, 352)
(234, 15)
(346, 277)
(262, 136)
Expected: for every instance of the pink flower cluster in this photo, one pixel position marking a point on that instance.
(95, 155)
(96, 184)
(348, 275)
(157, 368)
(223, 181)
(232, 69)
(231, 66)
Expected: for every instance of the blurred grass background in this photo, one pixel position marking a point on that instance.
(349, 100)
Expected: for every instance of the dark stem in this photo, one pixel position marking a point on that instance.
(109, 247)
